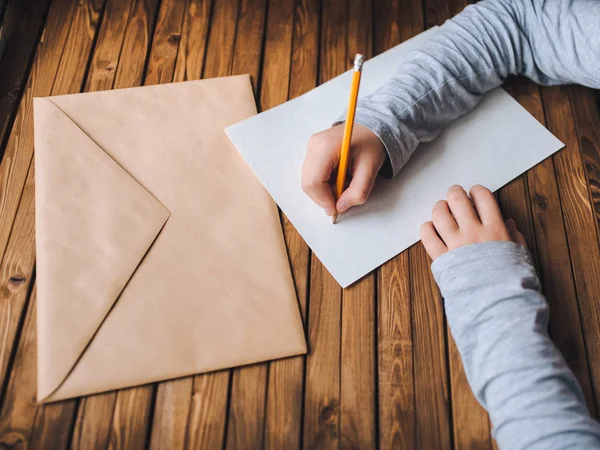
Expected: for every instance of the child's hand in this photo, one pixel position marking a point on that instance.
(461, 221)
(367, 155)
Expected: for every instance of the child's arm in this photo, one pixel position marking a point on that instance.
(551, 42)
(499, 321)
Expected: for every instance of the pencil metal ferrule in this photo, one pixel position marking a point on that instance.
(358, 62)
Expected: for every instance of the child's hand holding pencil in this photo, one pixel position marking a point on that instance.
(352, 149)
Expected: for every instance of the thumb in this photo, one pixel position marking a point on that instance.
(363, 178)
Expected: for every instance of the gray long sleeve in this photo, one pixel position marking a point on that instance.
(499, 321)
(551, 42)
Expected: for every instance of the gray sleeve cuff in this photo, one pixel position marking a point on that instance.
(399, 141)
(483, 278)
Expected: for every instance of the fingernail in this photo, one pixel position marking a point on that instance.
(330, 212)
(342, 207)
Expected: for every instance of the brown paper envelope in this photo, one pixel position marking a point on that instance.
(159, 254)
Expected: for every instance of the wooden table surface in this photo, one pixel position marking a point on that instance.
(383, 370)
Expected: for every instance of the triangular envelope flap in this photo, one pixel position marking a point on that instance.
(94, 224)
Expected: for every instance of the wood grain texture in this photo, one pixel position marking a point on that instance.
(586, 111)
(131, 418)
(171, 414)
(136, 44)
(92, 425)
(580, 223)
(194, 35)
(165, 46)
(288, 23)
(433, 419)
(20, 29)
(18, 411)
(208, 411)
(221, 40)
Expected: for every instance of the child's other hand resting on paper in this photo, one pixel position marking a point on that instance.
(499, 321)
(367, 156)
(460, 221)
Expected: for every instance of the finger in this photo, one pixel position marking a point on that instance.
(321, 160)
(363, 178)
(461, 207)
(515, 235)
(443, 221)
(486, 206)
(431, 241)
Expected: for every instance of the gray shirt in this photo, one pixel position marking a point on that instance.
(492, 296)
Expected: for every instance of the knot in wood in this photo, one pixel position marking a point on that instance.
(13, 440)
(541, 201)
(173, 39)
(16, 281)
(328, 413)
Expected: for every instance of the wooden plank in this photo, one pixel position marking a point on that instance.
(161, 65)
(245, 426)
(397, 428)
(101, 74)
(433, 419)
(208, 411)
(131, 418)
(219, 57)
(358, 410)
(136, 44)
(92, 425)
(20, 32)
(192, 48)
(53, 424)
(18, 259)
(286, 377)
(171, 414)
(322, 394)
(586, 110)
(580, 223)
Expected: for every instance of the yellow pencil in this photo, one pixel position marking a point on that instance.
(341, 176)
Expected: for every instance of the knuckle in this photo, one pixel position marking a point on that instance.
(361, 198)
(307, 186)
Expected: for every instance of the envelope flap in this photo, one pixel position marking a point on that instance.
(94, 225)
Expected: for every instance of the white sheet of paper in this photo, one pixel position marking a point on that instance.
(493, 144)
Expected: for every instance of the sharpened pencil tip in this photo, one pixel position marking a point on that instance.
(334, 219)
